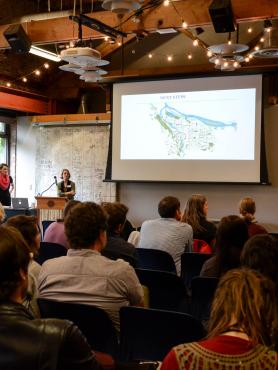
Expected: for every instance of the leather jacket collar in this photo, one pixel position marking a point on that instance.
(14, 309)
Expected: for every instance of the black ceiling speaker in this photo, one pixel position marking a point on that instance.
(17, 38)
(222, 17)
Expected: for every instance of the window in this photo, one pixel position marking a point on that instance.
(4, 143)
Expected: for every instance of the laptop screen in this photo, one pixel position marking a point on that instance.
(20, 203)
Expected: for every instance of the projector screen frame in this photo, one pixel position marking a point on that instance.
(263, 167)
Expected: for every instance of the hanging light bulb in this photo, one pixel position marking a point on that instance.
(189, 56)
(24, 79)
(8, 84)
(267, 25)
(184, 25)
(169, 58)
(150, 55)
(37, 72)
(46, 65)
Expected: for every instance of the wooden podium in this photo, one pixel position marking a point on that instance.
(50, 208)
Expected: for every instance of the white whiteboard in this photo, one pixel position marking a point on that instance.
(83, 150)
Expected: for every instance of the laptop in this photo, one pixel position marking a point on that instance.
(20, 203)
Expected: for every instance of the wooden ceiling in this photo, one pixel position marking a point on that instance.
(48, 25)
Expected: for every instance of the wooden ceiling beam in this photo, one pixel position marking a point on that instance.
(258, 65)
(194, 12)
(106, 49)
(24, 104)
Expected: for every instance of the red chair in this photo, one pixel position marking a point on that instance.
(200, 246)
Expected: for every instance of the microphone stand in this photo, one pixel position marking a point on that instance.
(40, 194)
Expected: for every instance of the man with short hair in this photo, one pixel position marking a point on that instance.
(116, 246)
(167, 233)
(25, 342)
(84, 275)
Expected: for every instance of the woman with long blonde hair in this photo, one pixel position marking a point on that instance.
(242, 328)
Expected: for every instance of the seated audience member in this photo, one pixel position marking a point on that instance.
(55, 233)
(25, 342)
(240, 328)
(195, 214)
(27, 226)
(247, 209)
(84, 275)
(167, 233)
(2, 214)
(116, 246)
(127, 230)
(134, 238)
(231, 235)
(260, 253)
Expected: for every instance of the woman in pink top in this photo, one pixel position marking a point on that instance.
(55, 233)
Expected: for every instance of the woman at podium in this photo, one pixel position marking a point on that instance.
(6, 185)
(66, 188)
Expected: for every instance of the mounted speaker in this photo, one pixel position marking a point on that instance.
(222, 17)
(17, 39)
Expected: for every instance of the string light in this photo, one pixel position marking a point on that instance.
(217, 61)
(267, 25)
(209, 53)
(257, 48)
(184, 25)
(262, 39)
(249, 29)
(106, 38)
(247, 59)
(195, 42)
(169, 58)
(150, 55)
(166, 2)
(229, 42)
(119, 43)
(189, 56)
(24, 79)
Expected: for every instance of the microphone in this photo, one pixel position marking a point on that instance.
(55, 182)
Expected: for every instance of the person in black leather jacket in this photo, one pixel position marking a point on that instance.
(25, 342)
